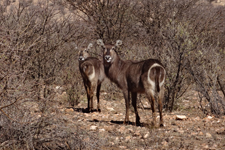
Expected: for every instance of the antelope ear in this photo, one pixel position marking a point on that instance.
(100, 42)
(89, 46)
(118, 43)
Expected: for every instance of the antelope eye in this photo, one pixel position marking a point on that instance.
(103, 48)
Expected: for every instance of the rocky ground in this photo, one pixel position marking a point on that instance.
(185, 128)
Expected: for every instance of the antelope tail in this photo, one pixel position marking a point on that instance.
(157, 83)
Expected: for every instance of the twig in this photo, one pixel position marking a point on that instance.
(8, 115)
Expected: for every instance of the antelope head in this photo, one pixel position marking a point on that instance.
(84, 54)
(109, 51)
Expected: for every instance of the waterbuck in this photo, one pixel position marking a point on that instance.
(92, 72)
(147, 76)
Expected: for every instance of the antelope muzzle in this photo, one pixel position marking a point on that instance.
(108, 58)
(81, 58)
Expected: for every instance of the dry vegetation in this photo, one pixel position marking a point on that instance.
(40, 79)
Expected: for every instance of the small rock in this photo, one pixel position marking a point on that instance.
(109, 128)
(117, 139)
(165, 144)
(101, 130)
(206, 146)
(122, 129)
(197, 118)
(122, 147)
(57, 87)
(137, 133)
(209, 117)
(62, 109)
(181, 117)
(130, 130)
(218, 1)
(198, 129)
(200, 133)
(220, 130)
(69, 110)
(208, 135)
(214, 146)
(128, 138)
(181, 131)
(110, 109)
(146, 136)
(104, 93)
(87, 115)
(87, 139)
(178, 130)
(93, 128)
(175, 129)
(173, 123)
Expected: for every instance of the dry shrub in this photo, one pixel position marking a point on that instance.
(37, 44)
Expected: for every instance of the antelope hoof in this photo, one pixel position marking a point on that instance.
(89, 110)
(126, 122)
(138, 123)
(161, 125)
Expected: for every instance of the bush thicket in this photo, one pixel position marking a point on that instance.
(39, 42)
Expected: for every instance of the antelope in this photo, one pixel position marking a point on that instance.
(92, 72)
(147, 76)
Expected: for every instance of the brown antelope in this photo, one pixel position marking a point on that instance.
(92, 72)
(147, 76)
